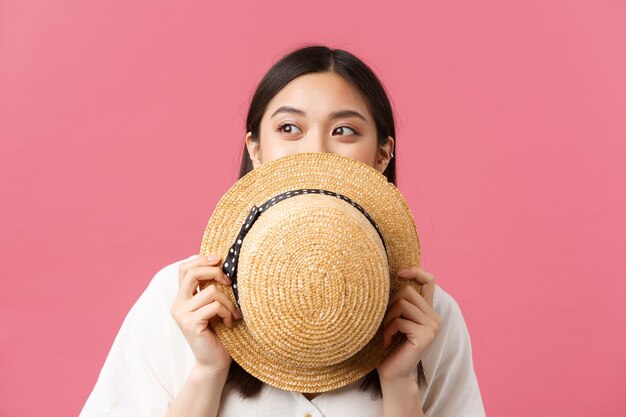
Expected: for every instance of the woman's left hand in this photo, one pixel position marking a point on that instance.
(412, 314)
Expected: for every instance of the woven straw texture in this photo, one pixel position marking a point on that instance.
(313, 276)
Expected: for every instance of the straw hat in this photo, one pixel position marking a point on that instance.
(312, 243)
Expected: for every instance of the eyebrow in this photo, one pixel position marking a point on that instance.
(334, 115)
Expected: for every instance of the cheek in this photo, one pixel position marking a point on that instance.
(365, 152)
(269, 153)
(273, 149)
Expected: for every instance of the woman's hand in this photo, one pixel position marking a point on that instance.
(412, 314)
(192, 311)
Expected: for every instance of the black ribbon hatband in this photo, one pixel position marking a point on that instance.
(232, 259)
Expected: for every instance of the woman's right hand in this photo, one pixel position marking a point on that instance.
(192, 311)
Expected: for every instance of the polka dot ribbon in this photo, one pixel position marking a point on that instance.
(232, 259)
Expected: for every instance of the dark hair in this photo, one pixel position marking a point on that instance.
(315, 58)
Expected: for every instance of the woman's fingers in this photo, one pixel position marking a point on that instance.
(416, 334)
(195, 261)
(209, 295)
(407, 310)
(192, 276)
(426, 279)
(208, 311)
(193, 304)
(398, 325)
(206, 304)
(411, 295)
(411, 312)
(192, 261)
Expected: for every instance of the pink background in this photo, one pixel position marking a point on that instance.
(122, 124)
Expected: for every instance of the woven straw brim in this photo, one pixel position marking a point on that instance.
(353, 179)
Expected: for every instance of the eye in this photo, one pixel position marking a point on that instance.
(290, 128)
(346, 127)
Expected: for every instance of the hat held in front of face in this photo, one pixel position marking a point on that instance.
(312, 243)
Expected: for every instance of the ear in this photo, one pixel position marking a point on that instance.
(384, 154)
(254, 150)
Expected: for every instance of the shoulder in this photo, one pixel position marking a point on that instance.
(445, 305)
(448, 364)
(452, 343)
(149, 359)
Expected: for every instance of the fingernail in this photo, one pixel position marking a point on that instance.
(213, 258)
(404, 272)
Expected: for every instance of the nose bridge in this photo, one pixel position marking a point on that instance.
(317, 141)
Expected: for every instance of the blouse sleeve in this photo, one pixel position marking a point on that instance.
(149, 359)
(453, 389)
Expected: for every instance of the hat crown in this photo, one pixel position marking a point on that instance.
(313, 280)
(353, 179)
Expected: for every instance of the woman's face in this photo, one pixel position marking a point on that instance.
(319, 112)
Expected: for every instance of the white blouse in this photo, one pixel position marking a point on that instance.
(150, 359)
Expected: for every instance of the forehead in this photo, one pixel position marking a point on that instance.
(319, 94)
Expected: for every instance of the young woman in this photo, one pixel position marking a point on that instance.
(166, 360)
